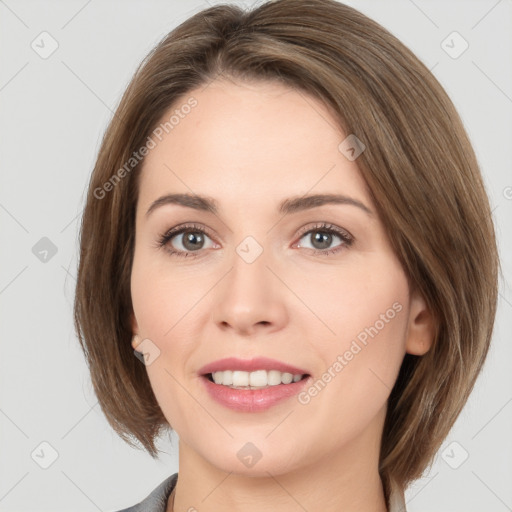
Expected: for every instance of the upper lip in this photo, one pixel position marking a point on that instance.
(250, 365)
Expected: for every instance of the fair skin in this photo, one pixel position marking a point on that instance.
(250, 146)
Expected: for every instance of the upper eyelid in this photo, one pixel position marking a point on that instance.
(319, 225)
(327, 226)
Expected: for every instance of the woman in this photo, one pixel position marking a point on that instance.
(287, 225)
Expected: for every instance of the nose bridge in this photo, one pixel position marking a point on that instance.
(249, 295)
(249, 279)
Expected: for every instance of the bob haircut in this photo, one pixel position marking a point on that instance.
(419, 167)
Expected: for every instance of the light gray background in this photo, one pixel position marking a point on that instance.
(54, 112)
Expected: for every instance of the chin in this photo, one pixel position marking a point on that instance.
(252, 456)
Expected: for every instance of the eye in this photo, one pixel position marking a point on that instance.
(189, 240)
(185, 240)
(322, 236)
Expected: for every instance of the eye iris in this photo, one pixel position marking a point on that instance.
(324, 239)
(193, 238)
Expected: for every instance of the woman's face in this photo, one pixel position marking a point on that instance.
(310, 287)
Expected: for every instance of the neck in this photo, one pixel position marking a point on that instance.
(347, 481)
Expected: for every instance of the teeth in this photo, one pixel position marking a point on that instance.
(227, 377)
(240, 378)
(257, 379)
(273, 378)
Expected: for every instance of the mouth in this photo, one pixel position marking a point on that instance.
(259, 379)
(252, 385)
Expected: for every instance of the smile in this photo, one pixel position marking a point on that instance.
(258, 379)
(253, 385)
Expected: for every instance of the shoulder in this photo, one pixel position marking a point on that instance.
(156, 501)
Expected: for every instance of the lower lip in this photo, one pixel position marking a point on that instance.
(252, 400)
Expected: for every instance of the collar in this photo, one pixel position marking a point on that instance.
(156, 501)
(396, 498)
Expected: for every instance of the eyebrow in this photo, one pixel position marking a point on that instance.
(291, 205)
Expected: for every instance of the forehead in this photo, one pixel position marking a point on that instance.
(249, 141)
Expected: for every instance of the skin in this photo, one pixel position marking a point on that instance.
(250, 146)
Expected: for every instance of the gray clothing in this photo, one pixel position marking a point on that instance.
(156, 501)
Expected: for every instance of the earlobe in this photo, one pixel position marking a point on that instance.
(421, 332)
(135, 335)
(135, 341)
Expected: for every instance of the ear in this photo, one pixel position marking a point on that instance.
(421, 328)
(136, 339)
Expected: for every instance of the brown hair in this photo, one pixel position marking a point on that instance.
(418, 164)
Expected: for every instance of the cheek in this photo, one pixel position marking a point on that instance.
(158, 299)
(365, 294)
(367, 308)
(163, 307)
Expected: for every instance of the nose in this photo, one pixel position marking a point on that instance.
(250, 299)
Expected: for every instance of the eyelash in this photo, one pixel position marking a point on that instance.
(166, 237)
